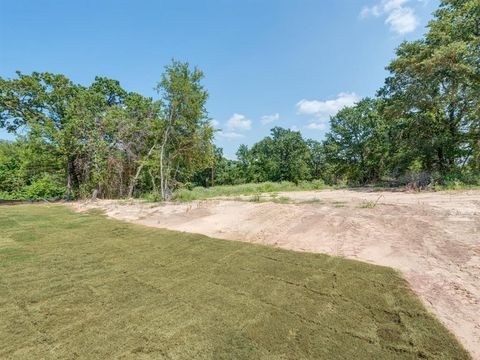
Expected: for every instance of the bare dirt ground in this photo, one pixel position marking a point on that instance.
(432, 238)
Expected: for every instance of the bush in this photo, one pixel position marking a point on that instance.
(199, 192)
(420, 180)
(7, 196)
(152, 197)
(417, 180)
(459, 181)
(46, 186)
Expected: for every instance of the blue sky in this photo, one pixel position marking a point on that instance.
(290, 63)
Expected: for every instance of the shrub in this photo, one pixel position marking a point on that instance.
(245, 189)
(46, 186)
(152, 196)
(417, 180)
(459, 181)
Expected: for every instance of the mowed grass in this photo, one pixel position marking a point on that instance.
(81, 286)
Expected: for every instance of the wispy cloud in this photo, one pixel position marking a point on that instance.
(239, 122)
(317, 125)
(400, 18)
(323, 109)
(230, 134)
(267, 119)
(234, 126)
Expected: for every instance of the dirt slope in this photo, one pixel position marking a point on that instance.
(432, 238)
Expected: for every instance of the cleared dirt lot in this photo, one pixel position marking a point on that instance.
(432, 238)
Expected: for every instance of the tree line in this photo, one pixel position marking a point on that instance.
(100, 140)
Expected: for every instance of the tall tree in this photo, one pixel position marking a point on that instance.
(185, 142)
(357, 145)
(135, 127)
(37, 104)
(433, 92)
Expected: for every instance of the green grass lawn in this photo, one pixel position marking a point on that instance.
(82, 286)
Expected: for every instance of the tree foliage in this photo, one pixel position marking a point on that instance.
(101, 140)
(433, 92)
(357, 145)
(283, 156)
(185, 140)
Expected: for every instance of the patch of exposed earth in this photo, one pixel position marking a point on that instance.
(432, 238)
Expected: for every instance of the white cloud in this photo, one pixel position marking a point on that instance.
(294, 128)
(401, 19)
(240, 122)
(229, 134)
(267, 119)
(370, 11)
(317, 125)
(325, 109)
(389, 5)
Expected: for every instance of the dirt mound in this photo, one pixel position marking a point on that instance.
(432, 238)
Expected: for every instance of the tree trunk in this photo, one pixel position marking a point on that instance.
(162, 180)
(212, 182)
(154, 186)
(162, 175)
(94, 194)
(441, 160)
(69, 181)
(69, 187)
(138, 172)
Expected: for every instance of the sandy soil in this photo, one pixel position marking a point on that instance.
(432, 238)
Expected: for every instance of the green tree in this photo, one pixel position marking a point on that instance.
(433, 93)
(317, 160)
(244, 157)
(104, 141)
(220, 172)
(29, 171)
(90, 139)
(185, 141)
(283, 156)
(137, 127)
(356, 145)
(38, 103)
